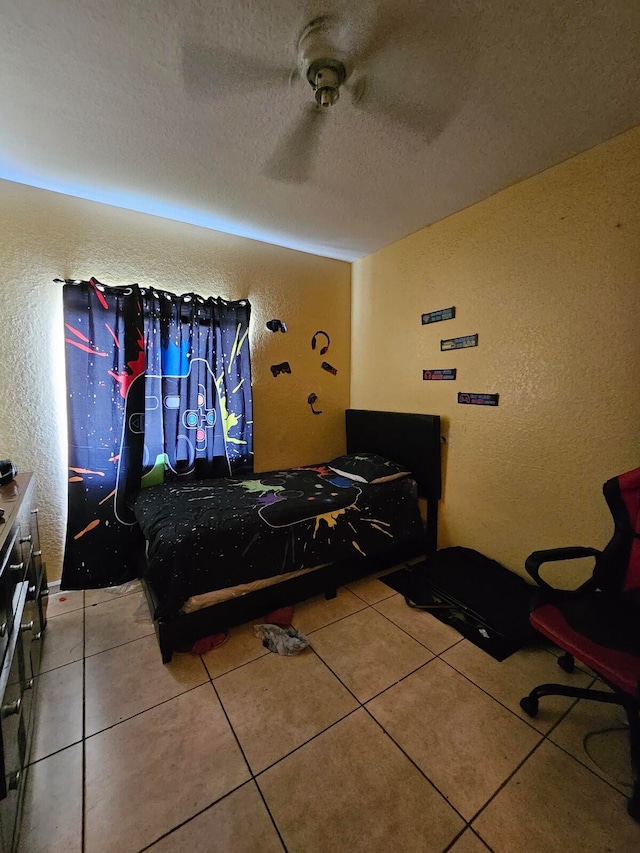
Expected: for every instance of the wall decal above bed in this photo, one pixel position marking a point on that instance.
(438, 316)
(441, 373)
(459, 343)
(479, 399)
(325, 348)
(283, 367)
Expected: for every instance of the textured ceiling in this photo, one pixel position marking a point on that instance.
(154, 105)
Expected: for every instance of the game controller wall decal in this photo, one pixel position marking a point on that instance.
(311, 400)
(277, 369)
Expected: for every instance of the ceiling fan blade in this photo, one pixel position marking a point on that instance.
(365, 42)
(207, 69)
(294, 157)
(427, 120)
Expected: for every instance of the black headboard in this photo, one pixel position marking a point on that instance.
(410, 439)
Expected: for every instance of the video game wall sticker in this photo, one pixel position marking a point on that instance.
(451, 373)
(440, 373)
(459, 343)
(478, 399)
(438, 316)
(276, 325)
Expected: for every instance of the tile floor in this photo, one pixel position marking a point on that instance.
(390, 733)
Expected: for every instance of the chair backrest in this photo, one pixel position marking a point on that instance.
(618, 567)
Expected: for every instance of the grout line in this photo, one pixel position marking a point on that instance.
(252, 774)
(415, 639)
(269, 812)
(139, 713)
(419, 769)
(193, 817)
(78, 742)
(506, 781)
(119, 645)
(306, 743)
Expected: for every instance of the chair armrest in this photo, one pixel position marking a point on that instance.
(537, 558)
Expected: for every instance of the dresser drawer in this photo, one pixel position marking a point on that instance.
(13, 734)
(11, 572)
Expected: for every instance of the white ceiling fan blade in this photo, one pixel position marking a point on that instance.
(207, 69)
(294, 157)
(367, 36)
(424, 119)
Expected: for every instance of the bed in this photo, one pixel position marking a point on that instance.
(221, 552)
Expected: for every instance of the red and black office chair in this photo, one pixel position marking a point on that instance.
(599, 623)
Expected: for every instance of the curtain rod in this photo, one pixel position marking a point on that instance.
(156, 291)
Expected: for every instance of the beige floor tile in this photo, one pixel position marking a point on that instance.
(317, 612)
(368, 653)
(52, 817)
(99, 596)
(277, 703)
(238, 824)
(62, 641)
(511, 679)
(462, 739)
(116, 622)
(241, 647)
(371, 590)
(58, 710)
(469, 843)
(128, 679)
(554, 804)
(597, 735)
(351, 789)
(156, 770)
(64, 602)
(424, 627)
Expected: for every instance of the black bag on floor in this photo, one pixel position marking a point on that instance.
(482, 599)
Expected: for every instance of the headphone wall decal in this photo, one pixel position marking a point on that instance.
(324, 348)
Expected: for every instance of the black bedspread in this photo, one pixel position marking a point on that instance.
(213, 534)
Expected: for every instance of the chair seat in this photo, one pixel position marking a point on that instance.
(601, 631)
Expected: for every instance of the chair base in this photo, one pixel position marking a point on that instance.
(529, 705)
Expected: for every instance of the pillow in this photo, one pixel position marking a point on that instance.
(367, 468)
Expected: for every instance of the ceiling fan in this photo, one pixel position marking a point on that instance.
(332, 55)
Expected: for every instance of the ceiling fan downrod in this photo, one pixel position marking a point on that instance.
(326, 76)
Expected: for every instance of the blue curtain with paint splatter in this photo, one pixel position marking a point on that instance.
(158, 389)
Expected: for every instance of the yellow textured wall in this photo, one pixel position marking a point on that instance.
(46, 235)
(547, 273)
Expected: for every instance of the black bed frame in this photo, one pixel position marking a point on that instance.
(412, 440)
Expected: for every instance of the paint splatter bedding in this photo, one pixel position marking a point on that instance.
(213, 534)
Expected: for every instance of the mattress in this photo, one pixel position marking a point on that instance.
(210, 535)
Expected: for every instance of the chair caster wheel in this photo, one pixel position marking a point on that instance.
(529, 705)
(566, 662)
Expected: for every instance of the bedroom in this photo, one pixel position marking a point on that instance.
(546, 272)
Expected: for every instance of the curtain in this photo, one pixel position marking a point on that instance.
(158, 389)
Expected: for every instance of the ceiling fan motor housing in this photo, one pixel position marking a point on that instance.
(324, 73)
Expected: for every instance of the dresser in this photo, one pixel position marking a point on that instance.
(23, 599)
